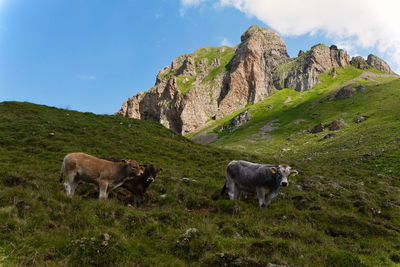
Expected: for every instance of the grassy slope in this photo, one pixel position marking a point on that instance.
(362, 158)
(333, 219)
(379, 102)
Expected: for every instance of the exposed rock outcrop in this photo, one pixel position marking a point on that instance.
(336, 125)
(378, 64)
(317, 128)
(250, 80)
(236, 122)
(359, 62)
(180, 99)
(302, 72)
(344, 92)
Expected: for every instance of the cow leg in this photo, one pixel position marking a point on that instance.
(70, 184)
(261, 196)
(103, 194)
(233, 191)
(73, 186)
(270, 197)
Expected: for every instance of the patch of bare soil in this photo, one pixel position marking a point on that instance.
(263, 131)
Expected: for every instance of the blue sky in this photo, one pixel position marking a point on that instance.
(91, 55)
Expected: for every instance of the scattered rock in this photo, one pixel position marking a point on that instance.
(186, 180)
(269, 106)
(333, 72)
(51, 134)
(163, 196)
(360, 119)
(298, 121)
(366, 156)
(336, 125)
(361, 87)
(190, 232)
(106, 237)
(236, 122)
(301, 52)
(344, 92)
(317, 128)
(288, 100)
(329, 135)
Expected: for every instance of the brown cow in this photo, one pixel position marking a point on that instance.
(139, 184)
(107, 175)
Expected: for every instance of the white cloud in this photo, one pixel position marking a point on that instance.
(357, 23)
(189, 2)
(225, 42)
(86, 77)
(186, 4)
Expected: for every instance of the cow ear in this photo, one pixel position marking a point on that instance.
(160, 170)
(294, 173)
(273, 170)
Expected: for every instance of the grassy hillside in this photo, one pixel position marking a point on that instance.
(329, 215)
(371, 144)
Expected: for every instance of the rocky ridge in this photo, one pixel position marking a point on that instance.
(302, 72)
(213, 82)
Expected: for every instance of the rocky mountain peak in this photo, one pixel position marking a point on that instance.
(250, 79)
(302, 72)
(213, 82)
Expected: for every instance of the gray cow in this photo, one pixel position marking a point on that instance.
(264, 179)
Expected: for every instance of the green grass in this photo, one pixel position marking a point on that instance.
(185, 83)
(328, 214)
(208, 53)
(224, 57)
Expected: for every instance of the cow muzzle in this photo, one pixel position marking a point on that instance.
(284, 183)
(150, 180)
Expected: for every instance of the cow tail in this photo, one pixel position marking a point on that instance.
(62, 171)
(223, 190)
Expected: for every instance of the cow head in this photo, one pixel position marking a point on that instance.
(150, 171)
(284, 171)
(132, 167)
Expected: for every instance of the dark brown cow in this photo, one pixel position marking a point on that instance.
(139, 184)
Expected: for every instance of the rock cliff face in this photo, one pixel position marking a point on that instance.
(211, 82)
(250, 79)
(185, 94)
(378, 64)
(216, 81)
(302, 72)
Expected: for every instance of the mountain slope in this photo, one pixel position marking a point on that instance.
(376, 137)
(325, 216)
(204, 86)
